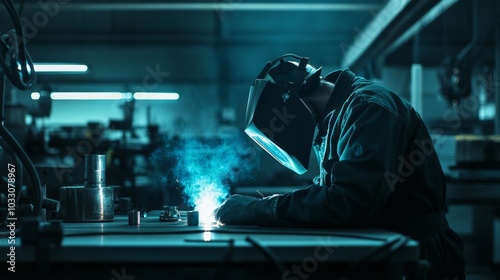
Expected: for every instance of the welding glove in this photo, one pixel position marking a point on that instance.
(247, 210)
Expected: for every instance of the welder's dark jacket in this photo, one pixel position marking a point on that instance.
(378, 168)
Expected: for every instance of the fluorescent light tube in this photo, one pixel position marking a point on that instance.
(35, 95)
(156, 96)
(86, 95)
(60, 68)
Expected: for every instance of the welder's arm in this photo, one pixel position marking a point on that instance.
(369, 145)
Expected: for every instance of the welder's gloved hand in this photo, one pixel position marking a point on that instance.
(247, 210)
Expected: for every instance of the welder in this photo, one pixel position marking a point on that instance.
(378, 166)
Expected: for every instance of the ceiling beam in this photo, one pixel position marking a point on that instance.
(214, 6)
(429, 17)
(182, 39)
(393, 20)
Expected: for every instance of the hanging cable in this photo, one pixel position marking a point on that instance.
(17, 67)
(379, 254)
(268, 253)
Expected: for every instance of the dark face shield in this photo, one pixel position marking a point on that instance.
(280, 122)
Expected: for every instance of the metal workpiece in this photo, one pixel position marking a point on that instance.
(81, 204)
(170, 214)
(134, 217)
(95, 171)
(193, 218)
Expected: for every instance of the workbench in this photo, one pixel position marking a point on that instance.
(174, 250)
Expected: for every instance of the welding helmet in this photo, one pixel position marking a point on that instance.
(277, 119)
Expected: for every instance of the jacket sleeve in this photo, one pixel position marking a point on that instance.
(368, 146)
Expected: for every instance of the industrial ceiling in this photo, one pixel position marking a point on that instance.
(227, 42)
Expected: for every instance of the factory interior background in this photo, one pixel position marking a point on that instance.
(206, 54)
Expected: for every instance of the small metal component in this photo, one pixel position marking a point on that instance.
(170, 214)
(260, 193)
(134, 218)
(193, 218)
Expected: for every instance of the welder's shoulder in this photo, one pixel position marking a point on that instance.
(368, 92)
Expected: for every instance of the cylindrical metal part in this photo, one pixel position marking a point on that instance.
(94, 173)
(134, 218)
(81, 204)
(193, 218)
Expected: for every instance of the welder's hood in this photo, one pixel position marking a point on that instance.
(279, 121)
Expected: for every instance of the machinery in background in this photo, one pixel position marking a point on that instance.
(58, 154)
(126, 165)
(455, 78)
(469, 157)
(17, 67)
(35, 134)
(465, 137)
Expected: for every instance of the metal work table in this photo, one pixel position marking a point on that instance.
(176, 251)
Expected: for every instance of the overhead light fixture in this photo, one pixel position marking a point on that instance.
(108, 95)
(156, 96)
(35, 95)
(86, 95)
(62, 68)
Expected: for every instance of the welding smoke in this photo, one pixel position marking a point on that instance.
(206, 168)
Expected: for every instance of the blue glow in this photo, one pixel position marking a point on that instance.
(206, 168)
